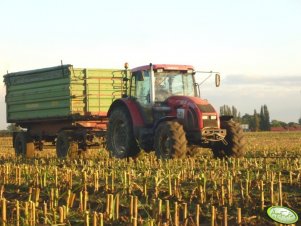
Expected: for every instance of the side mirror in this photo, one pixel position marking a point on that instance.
(217, 80)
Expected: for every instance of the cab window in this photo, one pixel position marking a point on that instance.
(141, 90)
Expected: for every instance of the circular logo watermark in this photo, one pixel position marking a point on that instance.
(282, 215)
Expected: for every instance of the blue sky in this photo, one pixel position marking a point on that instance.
(255, 45)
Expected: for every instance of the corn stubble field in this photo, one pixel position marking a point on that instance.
(98, 190)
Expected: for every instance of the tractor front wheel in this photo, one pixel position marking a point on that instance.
(120, 137)
(235, 140)
(170, 140)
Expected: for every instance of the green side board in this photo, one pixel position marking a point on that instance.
(61, 92)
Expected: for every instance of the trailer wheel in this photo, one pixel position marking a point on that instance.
(65, 145)
(120, 137)
(170, 140)
(235, 139)
(23, 145)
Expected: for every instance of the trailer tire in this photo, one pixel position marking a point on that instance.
(120, 136)
(170, 140)
(234, 138)
(23, 145)
(65, 145)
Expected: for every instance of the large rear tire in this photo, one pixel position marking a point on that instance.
(65, 145)
(170, 140)
(120, 137)
(23, 145)
(235, 146)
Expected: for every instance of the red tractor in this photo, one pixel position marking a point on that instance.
(162, 111)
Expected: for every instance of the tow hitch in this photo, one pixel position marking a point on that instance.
(214, 134)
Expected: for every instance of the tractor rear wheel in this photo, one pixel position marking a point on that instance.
(170, 140)
(23, 145)
(235, 146)
(120, 137)
(65, 145)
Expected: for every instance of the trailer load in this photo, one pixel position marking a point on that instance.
(47, 102)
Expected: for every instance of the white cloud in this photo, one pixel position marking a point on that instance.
(287, 80)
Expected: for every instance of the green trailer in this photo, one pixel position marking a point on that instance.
(63, 105)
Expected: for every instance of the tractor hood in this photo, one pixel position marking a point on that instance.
(194, 113)
(192, 102)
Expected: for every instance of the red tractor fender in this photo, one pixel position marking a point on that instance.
(132, 108)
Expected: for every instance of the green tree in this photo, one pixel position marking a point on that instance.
(276, 123)
(246, 119)
(264, 124)
(267, 125)
(227, 110)
(256, 121)
(293, 124)
(234, 112)
(262, 119)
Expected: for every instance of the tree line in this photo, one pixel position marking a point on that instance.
(258, 121)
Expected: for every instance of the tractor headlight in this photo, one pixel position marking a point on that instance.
(204, 117)
(213, 117)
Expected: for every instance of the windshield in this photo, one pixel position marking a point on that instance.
(171, 83)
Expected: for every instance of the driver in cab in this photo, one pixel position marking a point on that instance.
(161, 89)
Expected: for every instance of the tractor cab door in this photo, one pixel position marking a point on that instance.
(140, 92)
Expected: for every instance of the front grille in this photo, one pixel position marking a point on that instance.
(209, 123)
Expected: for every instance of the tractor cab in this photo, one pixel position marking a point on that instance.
(152, 85)
(155, 83)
